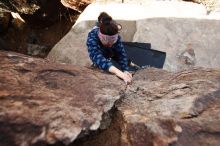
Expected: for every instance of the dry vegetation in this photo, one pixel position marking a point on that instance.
(209, 4)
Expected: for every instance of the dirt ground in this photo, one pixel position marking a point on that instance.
(40, 32)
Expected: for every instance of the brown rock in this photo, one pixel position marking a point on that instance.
(41, 102)
(163, 109)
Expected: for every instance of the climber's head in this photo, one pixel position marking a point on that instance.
(109, 29)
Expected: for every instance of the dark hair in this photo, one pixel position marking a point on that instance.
(107, 25)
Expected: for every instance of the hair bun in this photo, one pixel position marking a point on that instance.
(106, 20)
(107, 25)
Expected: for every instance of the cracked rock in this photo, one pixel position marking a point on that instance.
(177, 109)
(183, 110)
(42, 102)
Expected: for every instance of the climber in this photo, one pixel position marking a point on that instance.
(105, 47)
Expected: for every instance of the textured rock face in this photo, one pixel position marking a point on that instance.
(178, 109)
(30, 6)
(187, 42)
(163, 109)
(189, 38)
(76, 4)
(42, 102)
(21, 6)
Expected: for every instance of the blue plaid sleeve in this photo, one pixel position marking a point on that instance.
(123, 59)
(95, 53)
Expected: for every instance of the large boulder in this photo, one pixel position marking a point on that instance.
(179, 109)
(161, 108)
(187, 42)
(190, 38)
(44, 103)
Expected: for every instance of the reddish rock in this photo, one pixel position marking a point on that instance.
(41, 102)
(177, 109)
(166, 109)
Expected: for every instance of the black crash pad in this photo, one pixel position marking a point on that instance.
(142, 55)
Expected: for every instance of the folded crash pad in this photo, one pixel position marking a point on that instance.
(142, 55)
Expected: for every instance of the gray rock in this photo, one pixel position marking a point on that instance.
(161, 108)
(187, 42)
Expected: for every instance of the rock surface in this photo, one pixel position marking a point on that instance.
(161, 108)
(190, 38)
(21, 6)
(76, 4)
(178, 109)
(187, 42)
(45, 103)
(31, 6)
